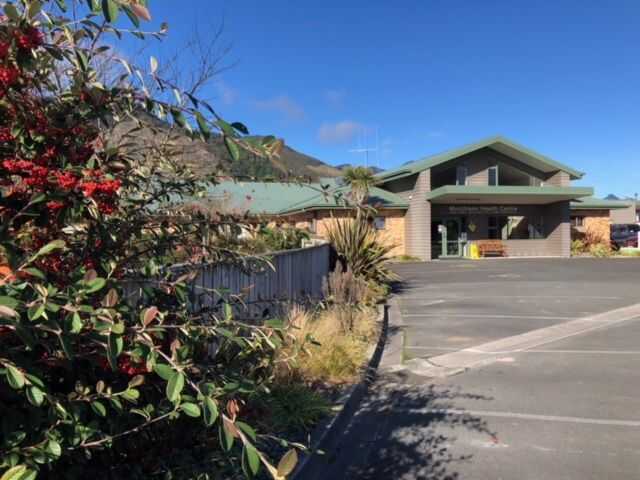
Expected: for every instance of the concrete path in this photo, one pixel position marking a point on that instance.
(548, 360)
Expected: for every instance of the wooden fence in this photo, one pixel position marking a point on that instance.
(282, 278)
(287, 276)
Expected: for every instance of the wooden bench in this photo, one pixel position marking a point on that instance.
(492, 247)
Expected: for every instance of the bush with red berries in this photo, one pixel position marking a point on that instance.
(106, 371)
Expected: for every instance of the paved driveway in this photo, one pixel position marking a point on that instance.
(564, 409)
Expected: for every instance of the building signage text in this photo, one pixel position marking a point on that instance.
(483, 209)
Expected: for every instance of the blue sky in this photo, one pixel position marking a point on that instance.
(562, 77)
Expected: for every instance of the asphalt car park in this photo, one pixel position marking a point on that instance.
(565, 408)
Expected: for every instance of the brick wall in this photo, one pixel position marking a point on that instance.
(392, 234)
(596, 226)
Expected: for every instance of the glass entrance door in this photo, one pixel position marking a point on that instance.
(446, 237)
(451, 238)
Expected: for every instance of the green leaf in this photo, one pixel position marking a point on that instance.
(251, 457)
(11, 12)
(178, 117)
(34, 272)
(226, 128)
(115, 346)
(210, 411)
(14, 473)
(35, 396)
(34, 9)
(247, 429)
(35, 312)
(191, 409)
(83, 63)
(225, 435)
(54, 448)
(202, 125)
(118, 328)
(95, 284)
(99, 408)
(9, 301)
(48, 248)
(132, 16)
(232, 148)
(76, 323)
(110, 10)
(131, 394)
(164, 371)
(175, 386)
(15, 377)
(287, 463)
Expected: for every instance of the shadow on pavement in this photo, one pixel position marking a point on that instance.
(404, 432)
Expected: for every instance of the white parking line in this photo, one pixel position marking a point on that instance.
(529, 416)
(482, 315)
(579, 352)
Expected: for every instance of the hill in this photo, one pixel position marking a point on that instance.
(212, 156)
(375, 170)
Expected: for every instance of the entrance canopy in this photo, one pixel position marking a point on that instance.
(505, 195)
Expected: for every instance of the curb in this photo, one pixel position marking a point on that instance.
(325, 437)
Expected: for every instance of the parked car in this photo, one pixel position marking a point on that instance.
(624, 235)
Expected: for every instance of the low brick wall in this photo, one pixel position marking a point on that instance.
(320, 221)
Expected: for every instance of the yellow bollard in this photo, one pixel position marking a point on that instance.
(474, 252)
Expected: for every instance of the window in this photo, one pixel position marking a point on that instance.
(461, 175)
(379, 223)
(496, 226)
(515, 228)
(493, 176)
(577, 221)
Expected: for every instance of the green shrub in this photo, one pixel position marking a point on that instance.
(282, 238)
(578, 247)
(99, 377)
(292, 407)
(357, 245)
(600, 250)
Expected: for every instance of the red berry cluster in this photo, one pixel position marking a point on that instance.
(9, 76)
(55, 205)
(131, 367)
(5, 135)
(29, 38)
(126, 365)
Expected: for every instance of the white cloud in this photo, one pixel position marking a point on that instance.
(341, 132)
(335, 98)
(227, 94)
(282, 104)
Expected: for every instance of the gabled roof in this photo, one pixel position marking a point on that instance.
(486, 194)
(498, 143)
(593, 203)
(378, 198)
(279, 198)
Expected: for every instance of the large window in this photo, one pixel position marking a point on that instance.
(515, 228)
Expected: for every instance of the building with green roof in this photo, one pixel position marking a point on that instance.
(494, 191)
